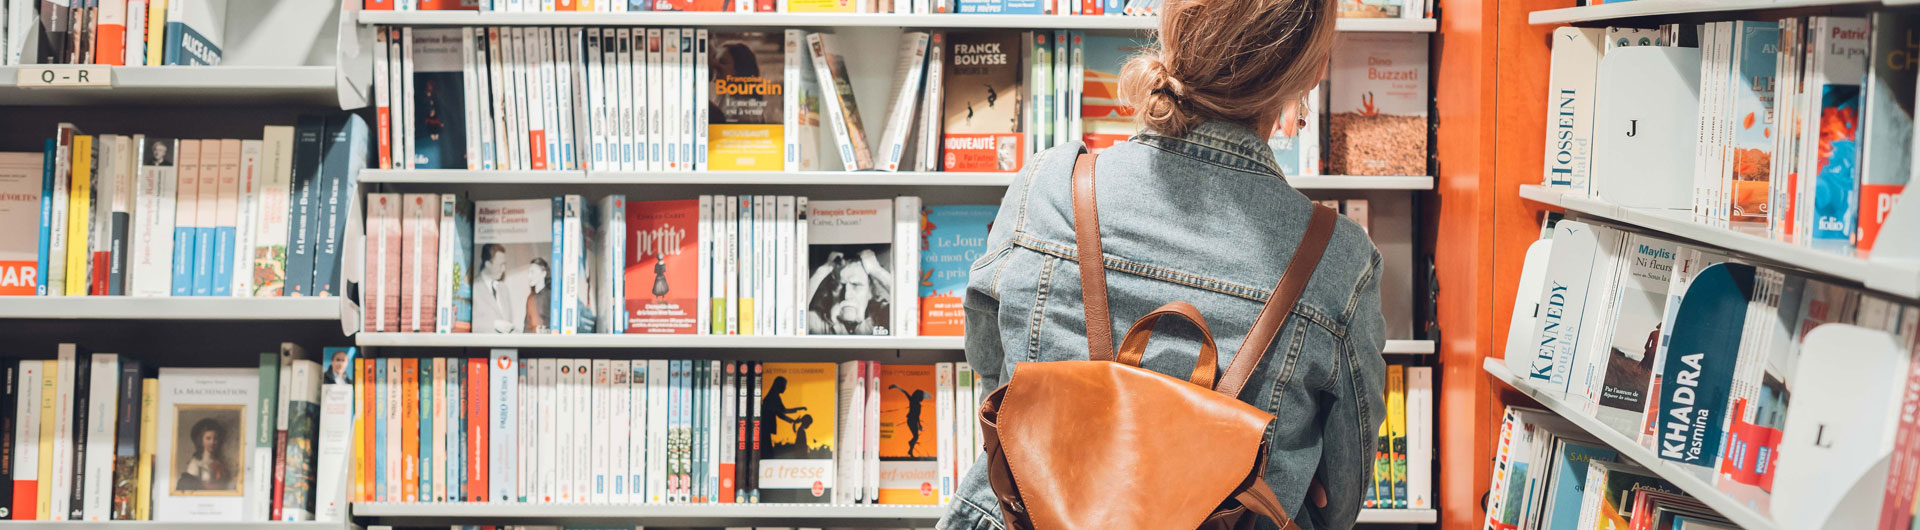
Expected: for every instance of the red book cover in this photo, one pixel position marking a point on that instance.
(764, 6)
(409, 430)
(97, 278)
(662, 266)
(982, 102)
(457, 5)
(377, 5)
(421, 277)
(477, 430)
(1092, 7)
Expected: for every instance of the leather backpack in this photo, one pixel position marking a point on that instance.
(1104, 443)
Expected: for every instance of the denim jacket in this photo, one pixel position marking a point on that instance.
(1208, 219)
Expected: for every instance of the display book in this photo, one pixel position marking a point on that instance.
(1402, 476)
(917, 7)
(1804, 125)
(94, 439)
(113, 32)
(660, 431)
(1688, 351)
(1547, 473)
(712, 265)
(137, 215)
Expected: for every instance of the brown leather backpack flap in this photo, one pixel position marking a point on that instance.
(1093, 444)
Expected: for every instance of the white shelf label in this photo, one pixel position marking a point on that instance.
(65, 76)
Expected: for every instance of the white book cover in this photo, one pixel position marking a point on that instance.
(335, 451)
(270, 242)
(540, 47)
(519, 94)
(964, 420)
(703, 312)
(507, 148)
(582, 430)
(62, 486)
(906, 266)
(872, 441)
(607, 471)
(526, 431)
(850, 460)
(850, 251)
(26, 428)
(637, 438)
(1570, 86)
(151, 265)
(103, 399)
(770, 264)
(197, 479)
(784, 267)
(442, 458)
(802, 273)
(1595, 323)
(594, 66)
(656, 436)
(470, 103)
(1419, 437)
(825, 57)
(731, 253)
(553, 50)
(555, 431)
(930, 106)
(444, 270)
(1057, 106)
(405, 141)
(568, 319)
(538, 434)
(246, 216)
(1076, 85)
(794, 63)
(1563, 300)
(749, 265)
(56, 272)
(688, 89)
(943, 414)
(654, 84)
(715, 432)
(573, 62)
(384, 93)
(501, 456)
(624, 153)
(703, 80)
(673, 97)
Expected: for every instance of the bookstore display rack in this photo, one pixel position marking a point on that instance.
(1655, 8)
(810, 178)
(830, 20)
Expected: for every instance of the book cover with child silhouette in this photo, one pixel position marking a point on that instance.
(797, 406)
(909, 455)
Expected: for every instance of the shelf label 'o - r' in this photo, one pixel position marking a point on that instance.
(64, 76)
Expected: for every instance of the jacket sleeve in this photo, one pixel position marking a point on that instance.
(1346, 463)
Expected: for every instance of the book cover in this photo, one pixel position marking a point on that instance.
(1610, 489)
(1835, 173)
(983, 99)
(152, 244)
(1396, 495)
(345, 156)
(1887, 123)
(333, 448)
(260, 485)
(20, 179)
(909, 449)
(1699, 368)
(380, 301)
(195, 32)
(28, 438)
(302, 430)
(1371, 8)
(309, 136)
(225, 219)
(661, 266)
(239, 258)
(1637, 328)
(439, 131)
(908, 76)
(952, 238)
(1563, 300)
(796, 423)
(457, 234)
(421, 223)
(849, 247)
(1378, 105)
(206, 417)
(1751, 145)
(747, 112)
(269, 250)
(1570, 95)
(513, 243)
(842, 110)
(79, 214)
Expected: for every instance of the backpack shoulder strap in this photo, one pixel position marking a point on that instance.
(1279, 306)
(1093, 267)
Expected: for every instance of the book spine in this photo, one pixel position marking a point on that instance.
(9, 441)
(309, 135)
(638, 438)
(334, 451)
(943, 400)
(79, 209)
(56, 421)
(657, 393)
(149, 441)
(28, 440)
(56, 269)
(703, 83)
(74, 507)
(388, 464)
(206, 216)
(260, 470)
(906, 252)
(1419, 412)
(478, 472)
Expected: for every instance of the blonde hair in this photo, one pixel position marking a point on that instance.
(1244, 61)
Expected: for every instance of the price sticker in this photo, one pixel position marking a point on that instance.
(65, 76)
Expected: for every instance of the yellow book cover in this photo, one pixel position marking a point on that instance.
(909, 463)
(410, 435)
(797, 406)
(156, 31)
(1396, 436)
(745, 117)
(149, 437)
(821, 6)
(1380, 490)
(79, 210)
(48, 390)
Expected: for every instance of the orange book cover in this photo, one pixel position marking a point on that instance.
(566, 5)
(110, 33)
(477, 429)
(453, 5)
(662, 266)
(951, 238)
(410, 430)
(363, 435)
(983, 99)
(377, 5)
(909, 454)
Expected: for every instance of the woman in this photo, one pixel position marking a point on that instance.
(1194, 208)
(207, 469)
(539, 297)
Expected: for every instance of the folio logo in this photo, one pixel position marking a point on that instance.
(504, 362)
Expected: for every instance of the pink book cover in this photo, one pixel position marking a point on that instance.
(422, 211)
(212, 153)
(383, 263)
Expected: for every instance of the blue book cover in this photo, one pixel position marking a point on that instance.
(203, 245)
(555, 285)
(195, 38)
(222, 281)
(309, 135)
(1698, 375)
(426, 430)
(1836, 191)
(1753, 134)
(1570, 480)
(46, 218)
(345, 156)
(951, 238)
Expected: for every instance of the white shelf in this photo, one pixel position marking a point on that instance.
(1644, 8)
(809, 178)
(171, 525)
(681, 513)
(618, 340)
(182, 85)
(1896, 278)
(803, 20)
(1692, 484)
(1409, 347)
(168, 308)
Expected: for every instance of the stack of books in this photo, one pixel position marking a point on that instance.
(1548, 474)
(113, 32)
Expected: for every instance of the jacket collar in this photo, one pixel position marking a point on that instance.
(1219, 142)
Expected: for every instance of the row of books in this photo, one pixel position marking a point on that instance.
(146, 216)
(660, 431)
(716, 264)
(690, 99)
(1371, 9)
(1692, 352)
(1548, 474)
(112, 32)
(1403, 452)
(93, 438)
(1803, 129)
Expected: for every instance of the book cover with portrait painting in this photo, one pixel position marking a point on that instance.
(797, 406)
(745, 118)
(513, 269)
(909, 456)
(206, 417)
(982, 102)
(849, 247)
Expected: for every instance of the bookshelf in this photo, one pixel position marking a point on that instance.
(810, 178)
(827, 20)
(170, 308)
(1648, 8)
(525, 340)
(1901, 278)
(1694, 485)
(712, 515)
(166, 525)
(173, 85)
